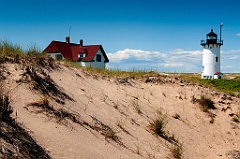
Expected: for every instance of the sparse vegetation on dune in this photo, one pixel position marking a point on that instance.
(177, 150)
(31, 57)
(229, 86)
(116, 73)
(206, 103)
(158, 127)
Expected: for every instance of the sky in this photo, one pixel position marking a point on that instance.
(159, 35)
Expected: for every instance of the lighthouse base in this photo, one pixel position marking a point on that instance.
(217, 75)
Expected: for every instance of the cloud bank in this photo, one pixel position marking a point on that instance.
(176, 60)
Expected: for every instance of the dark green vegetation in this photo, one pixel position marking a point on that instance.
(226, 85)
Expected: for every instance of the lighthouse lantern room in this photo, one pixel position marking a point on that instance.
(211, 56)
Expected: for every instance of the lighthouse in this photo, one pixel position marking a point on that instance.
(211, 55)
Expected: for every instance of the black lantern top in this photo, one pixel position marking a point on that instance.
(211, 38)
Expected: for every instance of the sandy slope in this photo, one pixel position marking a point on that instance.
(117, 104)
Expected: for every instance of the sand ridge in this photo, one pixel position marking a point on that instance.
(114, 116)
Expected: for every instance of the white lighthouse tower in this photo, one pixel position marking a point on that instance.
(211, 56)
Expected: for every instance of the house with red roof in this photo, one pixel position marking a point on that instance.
(86, 55)
(217, 75)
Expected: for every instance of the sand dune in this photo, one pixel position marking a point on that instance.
(94, 116)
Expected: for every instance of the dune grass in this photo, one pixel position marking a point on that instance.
(177, 151)
(206, 103)
(33, 54)
(134, 74)
(228, 86)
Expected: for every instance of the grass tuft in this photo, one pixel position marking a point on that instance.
(177, 150)
(158, 125)
(136, 106)
(206, 103)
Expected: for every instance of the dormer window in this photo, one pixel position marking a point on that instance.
(81, 55)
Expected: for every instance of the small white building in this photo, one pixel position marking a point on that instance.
(88, 56)
(211, 56)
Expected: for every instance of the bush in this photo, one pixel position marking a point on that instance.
(206, 103)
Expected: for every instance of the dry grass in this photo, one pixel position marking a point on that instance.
(5, 108)
(177, 150)
(60, 114)
(158, 125)
(236, 116)
(136, 106)
(105, 130)
(206, 103)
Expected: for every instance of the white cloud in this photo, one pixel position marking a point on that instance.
(136, 54)
(185, 52)
(177, 60)
(172, 64)
(231, 55)
(230, 61)
(231, 52)
(238, 34)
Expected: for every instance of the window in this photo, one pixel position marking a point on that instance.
(98, 58)
(81, 55)
(58, 57)
(216, 59)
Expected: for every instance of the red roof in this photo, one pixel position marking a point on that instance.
(217, 73)
(70, 51)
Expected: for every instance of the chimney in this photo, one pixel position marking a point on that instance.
(81, 42)
(67, 39)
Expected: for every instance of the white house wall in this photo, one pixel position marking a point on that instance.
(99, 64)
(95, 64)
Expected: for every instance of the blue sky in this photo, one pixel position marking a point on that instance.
(163, 35)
